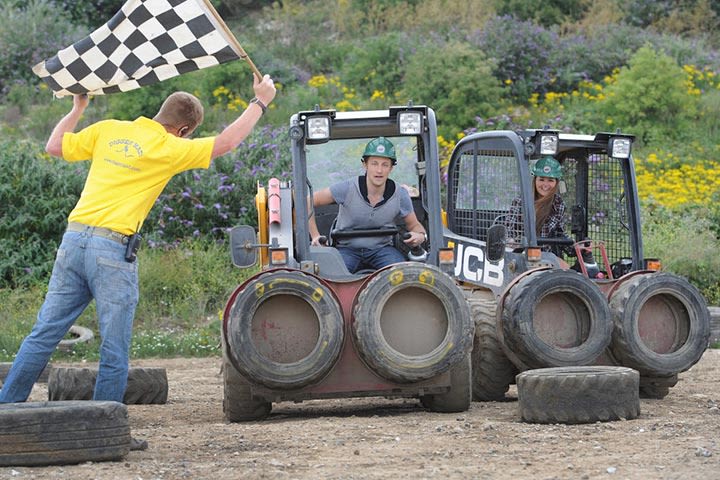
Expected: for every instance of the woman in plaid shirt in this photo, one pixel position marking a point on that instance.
(549, 205)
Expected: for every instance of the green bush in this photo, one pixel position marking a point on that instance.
(377, 64)
(686, 245)
(456, 81)
(29, 33)
(37, 193)
(92, 13)
(650, 98)
(546, 13)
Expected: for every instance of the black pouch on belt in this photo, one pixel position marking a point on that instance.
(132, 247)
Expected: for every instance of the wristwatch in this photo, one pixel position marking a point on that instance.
(259, 103)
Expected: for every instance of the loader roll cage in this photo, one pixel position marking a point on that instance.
(490, 169)
(327, 147)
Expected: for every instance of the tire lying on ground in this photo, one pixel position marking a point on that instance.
(584, 394)
(79, 335)
(661, 324)
(5, 368)
(411, 323)
(59, 433)
(145, 385)
(555, 318)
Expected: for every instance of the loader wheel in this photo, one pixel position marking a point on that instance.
(238, 403)
(556, 318)
(411, 323)
(661, 324)
(492, 371)
(61, 433)
(284, 329)
(146, 386)
(578, 394)
(460, 395)
(656, 387)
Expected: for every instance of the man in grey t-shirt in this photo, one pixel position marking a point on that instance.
(370, 201)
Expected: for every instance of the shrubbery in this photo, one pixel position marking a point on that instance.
(456, 81)
(650, 98)
(36, 193)
(30, 32)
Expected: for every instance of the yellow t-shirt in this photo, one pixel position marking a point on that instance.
(131, 164)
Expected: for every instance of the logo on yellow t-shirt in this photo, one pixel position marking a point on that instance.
(126, 147)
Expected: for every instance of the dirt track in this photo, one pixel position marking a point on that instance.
(674, 438)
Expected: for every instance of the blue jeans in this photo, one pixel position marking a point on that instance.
(86, 267)
(374, 258)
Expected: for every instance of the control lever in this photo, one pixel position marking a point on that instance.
(417, 253)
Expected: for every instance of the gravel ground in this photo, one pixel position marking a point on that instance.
(373, 438)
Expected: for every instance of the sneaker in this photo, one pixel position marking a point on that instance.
(136, 444)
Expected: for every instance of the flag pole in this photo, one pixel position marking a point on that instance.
(235, 44)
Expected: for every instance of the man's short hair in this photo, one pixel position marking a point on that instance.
(181, 108)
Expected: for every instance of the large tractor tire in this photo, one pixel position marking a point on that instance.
(283, 329)
(492, 370)
(578, 394)
(61, 433)
(5, 369)
(411, 323)
(146, 386)
(460, 395)
(238, 402)
(661, 324)
(555, 318)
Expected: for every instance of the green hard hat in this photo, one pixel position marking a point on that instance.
(547, 167)
(380, 147)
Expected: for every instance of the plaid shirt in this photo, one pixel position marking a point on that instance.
(552, 228)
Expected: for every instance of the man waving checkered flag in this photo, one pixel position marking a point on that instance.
(146, 42)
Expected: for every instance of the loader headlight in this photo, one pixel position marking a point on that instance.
(548, 144)
(410, 123)
(620, 147)
(318, 128)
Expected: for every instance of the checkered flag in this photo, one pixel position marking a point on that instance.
(146, 42)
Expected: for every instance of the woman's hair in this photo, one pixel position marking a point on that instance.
(180, 109)
(543, 205)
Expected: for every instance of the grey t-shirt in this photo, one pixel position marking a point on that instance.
(355, 211)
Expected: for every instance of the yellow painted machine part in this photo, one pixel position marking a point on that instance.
(261, 201)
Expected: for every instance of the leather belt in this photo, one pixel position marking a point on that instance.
(98, 231)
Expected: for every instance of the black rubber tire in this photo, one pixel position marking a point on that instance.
(80, 335)
(374, 349)
(680, 299)
(145, 386)
(238, 329)
(5, 368)
(578, 294)
(60, 433)
(492, 370)
(656, 388)
(583, 394)
(459, 397)
(238, 403)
